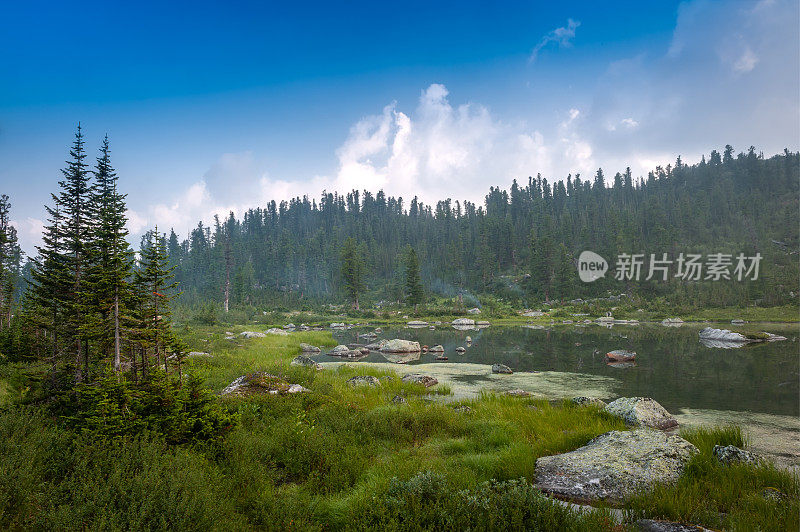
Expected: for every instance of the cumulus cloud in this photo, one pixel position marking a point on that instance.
(561, 36)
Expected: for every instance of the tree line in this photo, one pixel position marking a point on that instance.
(521, 244)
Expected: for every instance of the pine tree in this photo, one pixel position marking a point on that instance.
(111, 258)
(352, 271)
(10, 260)
(414, 292)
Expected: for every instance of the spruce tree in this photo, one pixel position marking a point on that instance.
(352, 271)
(10, 259)
(414, 292)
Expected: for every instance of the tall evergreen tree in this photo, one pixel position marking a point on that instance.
(352, 271)
(415, 295)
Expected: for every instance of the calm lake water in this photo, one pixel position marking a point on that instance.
(672, 366)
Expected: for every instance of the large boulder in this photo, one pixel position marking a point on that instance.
(303, 360)
(641, 411)
(259, 383)
(400, 346)
(615, 465)
(376, 346)
(308, 348)
(339, 349)
(501, 368)
(363, 380)
(418, 378)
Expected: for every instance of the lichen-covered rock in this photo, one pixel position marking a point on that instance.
(303, 360)
(621, 355)
(376, 346)
(278, 332)
(339, 349)
(642, 411)
(587, 401)
(730, 454)
(400, 346)
(501, 368)
(308, 348)
(464, 322)
(418, 378)
(363, 380)
(615, 465)
(251, 334)
(256, 383)
(296, 388)
(519, 392)
(289, 326)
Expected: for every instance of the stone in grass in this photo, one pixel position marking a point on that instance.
(615, 465)
(363, 380)
(260, 383)
(501, 368)
(418, 378)
(251, 334)
(642, 411)
(308, 348)
(399, 400)
(519, 392)
(303, 360)
(730, 454)
(462, 409)
(586, 401)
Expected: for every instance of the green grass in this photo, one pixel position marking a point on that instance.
(729, 497)
(343, 458)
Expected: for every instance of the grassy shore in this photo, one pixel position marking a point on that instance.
(342, 458)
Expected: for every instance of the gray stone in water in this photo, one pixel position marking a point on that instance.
(376, 346)
(303, 360)
(400, 346)
(731, 454)
(468, 339)
(339, 349)
(501, 368)
(641, 411)
(418, 378)
(461, 349)
(615, 465)
(363, 380)
(464, 322)
(436, 349)
(586, 401)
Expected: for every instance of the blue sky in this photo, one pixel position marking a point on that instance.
(212, 107)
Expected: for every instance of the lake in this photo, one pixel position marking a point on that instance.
(756, 385)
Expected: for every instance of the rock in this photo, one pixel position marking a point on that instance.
(725, 339)
(345, 352)
(737, 322)
(437, 349)
(651, 525)
(464, 322)
(368, 335)
(376, 346)
(615, 465)
(251, 334)
(296, 388)
(378, 330)
(585, 401)
(308, 348)
(417, 323)
(672, 322)
(279, 332)
(289, 326)
(339, 349)
(773, 494)
(401, 358)
(475, 310)
(363, 380)
(724, 335)
(418, 378)
(468, 339)
(399, 400)
(501, 368)
(462, 409)
(731, 454)
(518, 393)
(641, 411)
(621, 355)
(338, 325)
(256, 383)
(303, 360)
(461, 349)
(400, 346)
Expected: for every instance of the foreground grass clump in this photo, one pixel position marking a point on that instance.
(729, 497)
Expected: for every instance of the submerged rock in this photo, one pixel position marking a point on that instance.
(400, 346)
(436, 349)
(501, 368)
(363, 380)
(461, 349)
(586, 401)
(730, 454)
(725, 339)
(418, 378)
(615, 465)
(308, 348)
(642, 411)
(303, 360)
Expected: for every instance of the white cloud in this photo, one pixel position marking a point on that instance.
(562, 36)
(746, 62)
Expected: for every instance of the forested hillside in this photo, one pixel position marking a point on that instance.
(522, 245)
